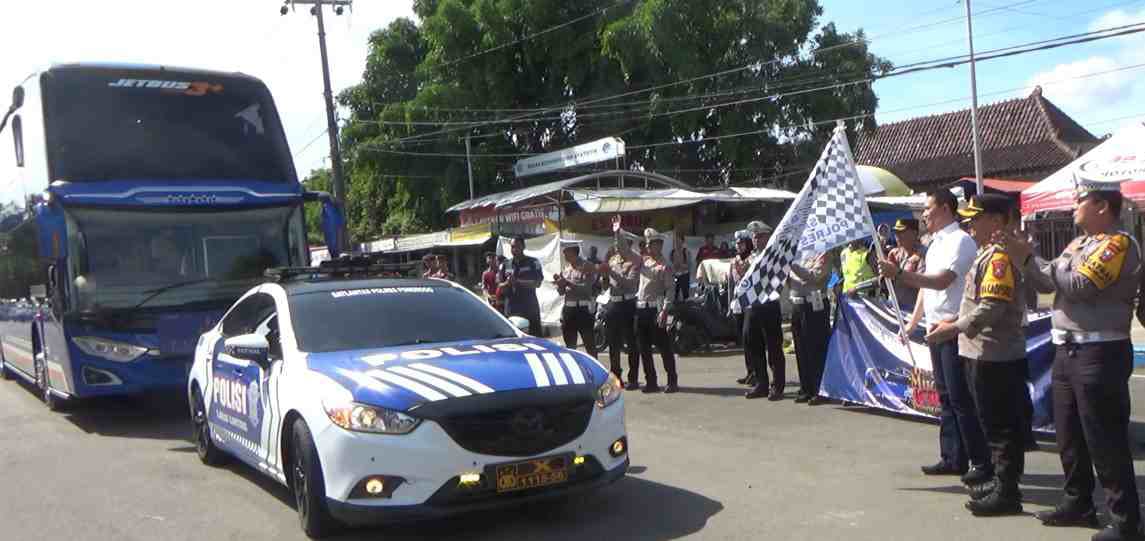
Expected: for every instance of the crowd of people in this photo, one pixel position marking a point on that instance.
(970, 284)
(975, 287)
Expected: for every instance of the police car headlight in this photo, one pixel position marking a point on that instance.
(108, 349)
(363, 418)
(610, 392)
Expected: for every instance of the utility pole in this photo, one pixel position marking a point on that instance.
(469, 162)
(974, 103)
(339, 182)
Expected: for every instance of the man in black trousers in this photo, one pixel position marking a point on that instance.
(763, 333)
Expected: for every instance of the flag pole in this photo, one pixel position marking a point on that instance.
(840, 126)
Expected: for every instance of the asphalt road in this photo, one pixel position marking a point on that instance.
(707, 464)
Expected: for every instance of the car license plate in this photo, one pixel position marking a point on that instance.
(538, 472)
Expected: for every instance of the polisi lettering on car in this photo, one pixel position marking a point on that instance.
(422, 354)
(231, 394)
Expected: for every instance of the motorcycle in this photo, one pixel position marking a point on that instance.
(702, 320)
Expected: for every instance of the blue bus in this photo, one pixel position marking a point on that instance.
(162, 194)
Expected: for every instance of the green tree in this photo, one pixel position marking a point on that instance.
(319, 181)
(426, 87)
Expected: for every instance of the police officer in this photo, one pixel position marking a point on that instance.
(992, 346)
(763, 329)
(1095, 280)
(810, 322)
(520, 277)
(576, 282)
(653, 302)
(621, 274)
(739, 267)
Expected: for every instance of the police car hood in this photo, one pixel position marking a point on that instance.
(402, 378)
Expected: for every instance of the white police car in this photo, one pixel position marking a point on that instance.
(379, 400)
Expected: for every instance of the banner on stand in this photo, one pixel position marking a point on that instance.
(868, 364)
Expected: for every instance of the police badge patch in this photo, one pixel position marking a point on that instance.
(998, 267)
(254, 402)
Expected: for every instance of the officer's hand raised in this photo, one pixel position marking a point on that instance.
(1017, 246)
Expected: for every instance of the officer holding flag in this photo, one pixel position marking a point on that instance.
(1095, 281)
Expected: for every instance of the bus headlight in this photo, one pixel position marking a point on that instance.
(111, 350)
(363, 418)
(609, 392)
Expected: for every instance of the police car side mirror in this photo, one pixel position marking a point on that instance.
(248, 347)
(520, 323)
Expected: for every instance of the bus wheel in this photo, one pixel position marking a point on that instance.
(205, 447)
(53, 402)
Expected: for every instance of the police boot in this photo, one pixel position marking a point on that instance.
(1069, 515)
(1121, 532)
(979, 492)
(1000, 502)
(978, 475)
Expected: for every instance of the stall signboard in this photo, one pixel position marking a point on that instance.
(490, 215)
(601, 150)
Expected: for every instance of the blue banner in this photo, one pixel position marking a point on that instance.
(868, 364)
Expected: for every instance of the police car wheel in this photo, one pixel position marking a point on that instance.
(44, 386)
(308, 484)
(205, 447)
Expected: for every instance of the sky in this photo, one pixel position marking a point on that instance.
(250, 36)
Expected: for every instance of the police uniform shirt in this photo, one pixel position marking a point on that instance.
(656, 281)
(580, 278)
(624, 273)
(524, 268)
(820, 267)
(993, 309)
(953, 250)
(1096, 280)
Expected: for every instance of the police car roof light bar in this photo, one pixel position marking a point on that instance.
(343, 267)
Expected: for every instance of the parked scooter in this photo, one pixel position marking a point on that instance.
(702, 320)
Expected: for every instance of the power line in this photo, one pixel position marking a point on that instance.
(754, 65)
(1007, 30)
(778, 128)
(811, 53)
(535, 34)
(307, 145)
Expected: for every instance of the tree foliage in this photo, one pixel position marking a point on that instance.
(479, 69)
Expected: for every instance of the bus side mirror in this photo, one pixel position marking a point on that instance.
(18, 139)
(333, 223)
(17, 98)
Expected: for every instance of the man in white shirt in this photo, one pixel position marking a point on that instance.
(949, 257)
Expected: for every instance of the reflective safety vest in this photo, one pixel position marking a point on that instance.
(855, 267)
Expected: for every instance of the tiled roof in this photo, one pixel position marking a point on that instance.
(1029, 138)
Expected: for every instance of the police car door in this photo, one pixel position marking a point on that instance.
(237, 407)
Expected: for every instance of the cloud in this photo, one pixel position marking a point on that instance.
(1117, 17)
(1067, 86)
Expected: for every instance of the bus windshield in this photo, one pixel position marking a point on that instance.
(163, 259)
(161, 125)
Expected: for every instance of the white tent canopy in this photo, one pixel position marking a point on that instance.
(1121, 157)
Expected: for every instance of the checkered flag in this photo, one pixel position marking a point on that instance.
(829, 211)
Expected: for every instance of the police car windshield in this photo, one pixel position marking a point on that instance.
(378, 317)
